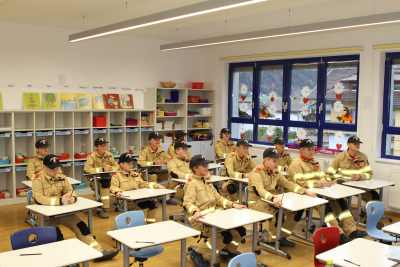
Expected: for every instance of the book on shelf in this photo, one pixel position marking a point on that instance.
(113, 101)
(67, 101)
(99, 101)
(126, 101)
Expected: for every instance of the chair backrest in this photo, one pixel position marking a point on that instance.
(136, 218)
(374, 216)
(244, 260)
(29, 197)
(246, 193)
(332, 238)
(220, 169)
(44, 235)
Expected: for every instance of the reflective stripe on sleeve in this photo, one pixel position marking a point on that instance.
(93, 244)
(152, 185)
(332, 170)
(297, 176)
(266, 195)
(100, 169)
(367, 176)
(192, 208)
(53, 201)
(149, 163)
(104, 197)
(237, 175)
(297, 189)
(310, 184)
(187, 176)
(225, 202)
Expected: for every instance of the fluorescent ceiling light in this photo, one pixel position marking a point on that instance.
(364, 21)
(161, 17)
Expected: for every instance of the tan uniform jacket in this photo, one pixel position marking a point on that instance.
(222, 149)
(123, 181)
(47, 190)
(179, 168)
(262, 183)
(95, 162)
(148, 156)
(306, 173)
(35, 166)
(285, 160)
(236, 167)
(171, 151)
(343, 167)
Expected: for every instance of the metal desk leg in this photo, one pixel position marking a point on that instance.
(310, 211)
(126, 255)
(185, 219)
(359, 211)
(255, 236)
(41, 220)
(240, 192)
(322, 215)
(213, 246)
(380, 194)
(164, 207)
(146, 170)
(96, 193)
(125, 205)
(85, 264)
(183, 252)
(89, 219)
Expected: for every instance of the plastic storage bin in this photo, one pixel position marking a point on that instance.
(20, 168)
(175, 96)
(4, 161)
(23, 134)
(98, 131)
(194, 85)
(5, 135)
(80, 155)
(117, 130)
(131, 122)
(80, 163)
(79, 186)
(66, 132)
(45, 133)
(193, 99)
(99, 121)
(132, 130)
(81, 131)
(6, 169)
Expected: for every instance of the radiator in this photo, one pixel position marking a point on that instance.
(394, 196)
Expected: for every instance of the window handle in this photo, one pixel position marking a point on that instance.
(284, 106)
(321, 107)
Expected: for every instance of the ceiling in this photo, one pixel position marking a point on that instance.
(87, 14)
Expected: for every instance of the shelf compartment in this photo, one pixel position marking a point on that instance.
(64, 120)
(82, 143)
(116, 118)
(100, 131)
(64, 132)
(64, 144)
(83, 131)
(44, 120)
(44, 133)
(20, 168)
(7, 181)
(24, 120)
(5, 121)
(82, 119)
(116, 130)
(132, 130)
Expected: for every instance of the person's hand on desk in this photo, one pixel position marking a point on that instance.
(238, 206)
(356, 177)
(247, 175)
(118, 194)
(277, 202)
(311, 193)
(161, 187)
(107, 168)
(197, 215)
(159, 162)
(326, 183)
(165, 161)
(67, 198)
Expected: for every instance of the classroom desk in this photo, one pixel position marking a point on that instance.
(72, 181)
(393, 229)
(367, 185)
(293, 202)
(221, 160)
(360, 251)
(214, 179)
(83, 204)
(60, 253)
(155, 232)
(214, 167)
(144, 194)
(240, 181)
(147, 167)
(230, 219)
(336, 191)
(98, 176)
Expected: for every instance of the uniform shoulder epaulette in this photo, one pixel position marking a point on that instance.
(63, 173)
(258, 169)
(90, 153)
(143, 148)
(115, 173)
(37, 175)
(218, 141)
(31, 157)
(171, 158)
(232, 154)
(189, 180)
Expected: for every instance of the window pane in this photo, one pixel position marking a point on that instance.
(295, 135)
(392, 145)
(242, 131)
(336, 140)
(271, 87)
(242, 92)
(341, 92)
(394, 100)
(303, 92)
(267, 133)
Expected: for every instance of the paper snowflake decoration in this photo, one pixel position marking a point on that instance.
(272, 109)
(338, 106)
(304, 110)
(301, 133)
(269, 131)
(338, 88)
(339, 137)
(305, 91)
(243, 107)
(272, 95)
(243, 89)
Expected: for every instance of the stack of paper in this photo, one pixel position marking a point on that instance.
(178, 126)
(168, 139)
(168, 125)
(159, 126)
(393, 253)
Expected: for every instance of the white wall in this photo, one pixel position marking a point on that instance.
(35, 54)
(370, 84)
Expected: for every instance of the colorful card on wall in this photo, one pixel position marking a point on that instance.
(126, 101)
(1, 102)
(31, 100)
(99, 101)
(50, 100)
(84, 101)
(67, 101)
(113, 101)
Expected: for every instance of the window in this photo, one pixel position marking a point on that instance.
(391, 108)
(313, 98)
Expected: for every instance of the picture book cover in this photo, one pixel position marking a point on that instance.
(99, 101)
(31, 100)
(1, 102)
(84, 101)
(50, 100)
(126, 101)
(113, 101)
(67, 101)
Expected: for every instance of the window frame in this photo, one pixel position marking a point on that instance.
(320, 123)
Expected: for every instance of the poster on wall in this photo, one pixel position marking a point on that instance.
(126, 101)
(31, 100)
(67, 101)
(50, 100)
(84, 101)
(113, 101)
(99, 101)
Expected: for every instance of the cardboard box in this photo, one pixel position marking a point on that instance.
(204, 111)
(147, 119)
(99, 121)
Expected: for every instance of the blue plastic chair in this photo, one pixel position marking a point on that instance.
(373, 218)
(244, 260)
(44, 235)
(31, 220)
(220, 169)
(136, 219)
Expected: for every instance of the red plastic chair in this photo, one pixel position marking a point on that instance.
(332, 238)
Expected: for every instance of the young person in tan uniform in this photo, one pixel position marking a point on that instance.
(178, 167)
(35, 164)
(200, 199)
(179, 136)
(262, 182)
(126, 179)
(51, 188)
(224, 146)
(306, 172)
(101, 160)
(285, 160)
(238, 165)
(154, 154)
